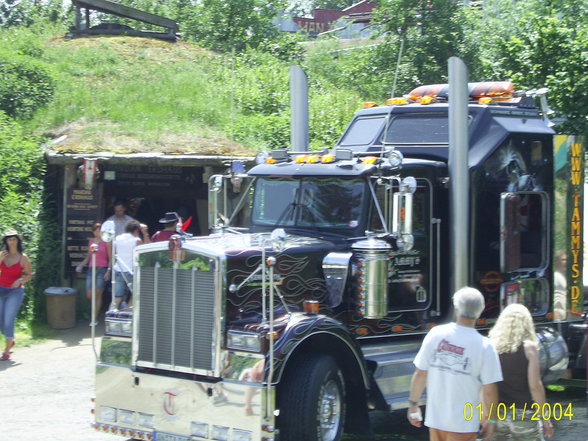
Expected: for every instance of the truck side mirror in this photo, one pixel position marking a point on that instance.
(402, 213)
(215, 186)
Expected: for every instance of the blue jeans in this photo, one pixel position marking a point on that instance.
(100, 282)
(120, 285)
(10, 301)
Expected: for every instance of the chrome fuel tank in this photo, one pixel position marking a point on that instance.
(371, 255)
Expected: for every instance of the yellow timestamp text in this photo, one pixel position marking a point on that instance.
(536, 412)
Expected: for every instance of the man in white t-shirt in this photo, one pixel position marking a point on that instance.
(119, 218)
(455, 362)
(125, 245)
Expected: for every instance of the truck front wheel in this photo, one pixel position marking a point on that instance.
(312, 400)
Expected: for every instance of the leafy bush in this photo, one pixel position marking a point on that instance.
(265, 132)
(26, 85)
(21, 181)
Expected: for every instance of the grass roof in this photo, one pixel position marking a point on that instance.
(131, 94)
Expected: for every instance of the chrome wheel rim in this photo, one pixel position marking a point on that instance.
(329, 410)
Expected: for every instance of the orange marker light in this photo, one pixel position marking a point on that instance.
(311, 306)
(272, 335)
(401, 100)
(300, 159)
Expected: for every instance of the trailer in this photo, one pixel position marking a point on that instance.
(304, 308)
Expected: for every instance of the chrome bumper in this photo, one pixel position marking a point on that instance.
(155, 407)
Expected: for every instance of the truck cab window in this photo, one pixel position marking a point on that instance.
(362, 131)
(384, 199)
(418, 129)
(524, 223)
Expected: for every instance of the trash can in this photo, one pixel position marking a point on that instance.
(61, 307)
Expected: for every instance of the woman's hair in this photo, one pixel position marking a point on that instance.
(469, 302)
(19, 246)
(513, 327)
(96, 226)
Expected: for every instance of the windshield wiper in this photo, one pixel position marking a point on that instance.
(288, 212)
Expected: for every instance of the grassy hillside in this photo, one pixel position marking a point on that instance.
(128, 94)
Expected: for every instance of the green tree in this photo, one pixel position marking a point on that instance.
(21, 181)
(15, 13)
(26, 84)
(428, 32)
(541, 43)
(226, 25)
(332, 4)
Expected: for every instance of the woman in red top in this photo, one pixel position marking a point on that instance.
(15, 270)
(102, 269)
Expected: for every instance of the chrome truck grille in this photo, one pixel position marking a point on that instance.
(175, 321)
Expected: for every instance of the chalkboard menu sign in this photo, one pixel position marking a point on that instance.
(82, 212)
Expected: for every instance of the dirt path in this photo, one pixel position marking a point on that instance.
(45, 393)
(45, 390)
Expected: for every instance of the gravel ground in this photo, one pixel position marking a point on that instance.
(45, 393)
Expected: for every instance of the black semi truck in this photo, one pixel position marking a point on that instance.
(304, 308)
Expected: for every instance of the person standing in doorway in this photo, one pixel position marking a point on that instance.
(15, 271)
(103, 269)
(457, 365)
(170, 223)
(136, 234)
(120, 218)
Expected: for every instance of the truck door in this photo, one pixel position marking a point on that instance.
(411, 285)
(524, 250)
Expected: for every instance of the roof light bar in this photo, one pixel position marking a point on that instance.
(494, 89)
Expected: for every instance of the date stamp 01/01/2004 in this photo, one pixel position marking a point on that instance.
(533, 412)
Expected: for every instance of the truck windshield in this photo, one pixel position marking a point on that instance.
(418, 128)
(317, 202)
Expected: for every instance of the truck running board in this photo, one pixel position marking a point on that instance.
(394, 368)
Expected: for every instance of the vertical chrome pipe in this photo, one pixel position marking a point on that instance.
(298, 109)
(458, 171)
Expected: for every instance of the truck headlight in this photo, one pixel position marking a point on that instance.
(220, 433)
(107, 413)
(121, 328)
(199, 429)
(126, 417)
(241, 435)
(244, 341)
(145, 420)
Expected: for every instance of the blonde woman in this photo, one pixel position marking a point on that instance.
(516, 344)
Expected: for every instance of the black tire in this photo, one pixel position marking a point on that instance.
(312, 400)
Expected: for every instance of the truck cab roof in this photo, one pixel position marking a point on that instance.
(422, 131)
